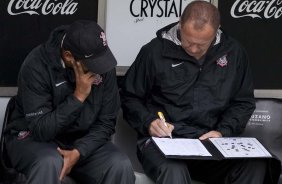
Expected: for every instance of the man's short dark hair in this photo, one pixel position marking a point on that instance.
(201, 13)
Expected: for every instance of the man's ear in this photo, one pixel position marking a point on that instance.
(67, 57)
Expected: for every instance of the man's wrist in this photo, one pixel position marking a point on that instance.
(81, 98)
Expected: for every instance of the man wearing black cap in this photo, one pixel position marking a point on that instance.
(66, 110)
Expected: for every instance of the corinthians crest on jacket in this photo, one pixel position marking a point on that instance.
(222, 61)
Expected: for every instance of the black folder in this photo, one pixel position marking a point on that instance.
(216, 154)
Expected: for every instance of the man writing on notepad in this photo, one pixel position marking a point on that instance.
(200, 79)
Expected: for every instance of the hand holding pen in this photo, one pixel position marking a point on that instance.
(160, 128)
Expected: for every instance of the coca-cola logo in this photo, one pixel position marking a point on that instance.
(39, 7)
(257, 9)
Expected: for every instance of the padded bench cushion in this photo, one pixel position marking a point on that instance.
(266, 124)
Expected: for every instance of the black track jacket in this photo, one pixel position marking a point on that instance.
(217, 95)
(45, 104)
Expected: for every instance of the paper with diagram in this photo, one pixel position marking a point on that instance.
(236, 147)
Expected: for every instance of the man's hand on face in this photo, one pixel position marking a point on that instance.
(83, 81)
(70, 159)
(157, 128)
(210, 134)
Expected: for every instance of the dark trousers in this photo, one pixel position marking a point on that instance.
(180, 171)
(42, 163)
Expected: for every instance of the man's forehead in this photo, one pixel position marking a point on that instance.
(206, 34)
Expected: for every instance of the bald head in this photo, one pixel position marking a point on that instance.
(201, 13)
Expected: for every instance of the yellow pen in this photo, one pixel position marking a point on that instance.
(161, 116)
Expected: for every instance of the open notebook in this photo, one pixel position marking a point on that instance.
(213, 148)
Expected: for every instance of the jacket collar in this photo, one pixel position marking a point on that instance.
(52, 48)
(172, 45)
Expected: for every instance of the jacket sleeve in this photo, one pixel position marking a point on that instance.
(45, 121)
(135, 90)
(104, 126)
(242, 104)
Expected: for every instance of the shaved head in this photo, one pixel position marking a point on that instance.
(201, 13)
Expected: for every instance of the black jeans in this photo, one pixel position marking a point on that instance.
(42, 163)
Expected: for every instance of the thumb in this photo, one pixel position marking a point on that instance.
(60, 151)
(205, 136)
(63, 173)
(171, 127)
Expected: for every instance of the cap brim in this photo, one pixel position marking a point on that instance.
(101, 64)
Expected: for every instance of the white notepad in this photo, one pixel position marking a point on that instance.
(181, 147)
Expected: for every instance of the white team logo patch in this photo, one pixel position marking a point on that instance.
(222, 61)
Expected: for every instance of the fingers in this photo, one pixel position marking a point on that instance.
(170, 127)
(76, 72)
(166, 127)
(60, 151)
(79, 68)
(211, 134)
(66, 168)
(84, 81)
(90, 75)
(205, 136)
(74, 66)
(63, 173)
(158, 129)
(79, 72)
(157, 132)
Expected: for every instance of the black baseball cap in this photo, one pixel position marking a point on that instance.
(87, 42)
